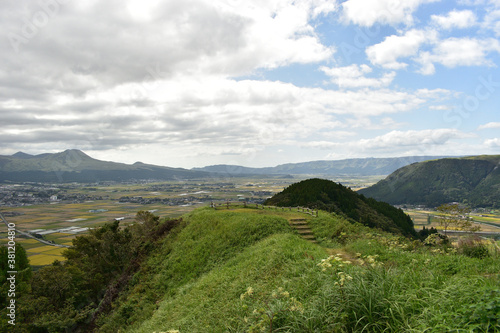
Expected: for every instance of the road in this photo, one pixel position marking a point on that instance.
(27, 234)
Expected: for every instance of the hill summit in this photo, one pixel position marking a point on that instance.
(471, 180)
(330, 196)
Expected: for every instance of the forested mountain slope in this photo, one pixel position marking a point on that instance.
(471, 180)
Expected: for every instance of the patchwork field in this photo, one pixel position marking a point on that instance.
(488, 222)
(53, 219)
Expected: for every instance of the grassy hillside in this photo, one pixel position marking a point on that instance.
(360, 281)
(333, 197)
(472, 180)
(247, 270)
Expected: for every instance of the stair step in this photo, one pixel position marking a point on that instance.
(303, 229)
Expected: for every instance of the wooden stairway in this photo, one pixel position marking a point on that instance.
(303, 229)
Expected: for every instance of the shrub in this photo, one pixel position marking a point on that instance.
(473, 247)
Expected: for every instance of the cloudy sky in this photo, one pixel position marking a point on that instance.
(190, 83)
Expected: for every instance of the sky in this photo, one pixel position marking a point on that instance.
(190, 83)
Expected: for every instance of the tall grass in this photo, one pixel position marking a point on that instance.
(377, 283)
(206, 240)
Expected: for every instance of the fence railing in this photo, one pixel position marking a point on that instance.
(239, 204)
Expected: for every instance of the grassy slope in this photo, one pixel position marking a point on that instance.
(194, 284)
(208, 240)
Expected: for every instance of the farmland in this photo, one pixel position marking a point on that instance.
(487, 220)
(60, 212)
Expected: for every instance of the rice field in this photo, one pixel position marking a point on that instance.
(488, 222)
(50, 218)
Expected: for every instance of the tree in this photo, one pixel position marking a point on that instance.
(452, 215)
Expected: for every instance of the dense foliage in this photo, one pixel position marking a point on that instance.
(473, 180)
(70, 296)
(332, 197)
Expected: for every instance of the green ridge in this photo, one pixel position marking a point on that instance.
(473, 180)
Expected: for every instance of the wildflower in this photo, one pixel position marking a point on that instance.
(249, 292)
(343, 277)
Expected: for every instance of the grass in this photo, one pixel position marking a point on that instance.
(355, 280)
(208, 239)
(248, 270)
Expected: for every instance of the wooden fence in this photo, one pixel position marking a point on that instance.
(238, 204)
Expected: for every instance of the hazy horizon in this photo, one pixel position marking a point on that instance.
(258, 84)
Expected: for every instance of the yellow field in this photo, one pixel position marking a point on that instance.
(43, 259)
(41, 249)
(56, 251)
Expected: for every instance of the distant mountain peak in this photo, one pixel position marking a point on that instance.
(74, 153)
(22, 155)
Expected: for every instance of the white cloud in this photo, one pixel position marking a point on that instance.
(353, 76)
(191, 37)
(489, 125)
(492, 143)
(202, 111)
(368, 13)
(387, 53)
(399, 143)
(492, 21)
(455, 19)
(453, 52)
(413, 138)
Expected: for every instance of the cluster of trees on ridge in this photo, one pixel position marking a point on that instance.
(327, 195)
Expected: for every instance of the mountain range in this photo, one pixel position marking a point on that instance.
(352, 167)
(75, 166)
(474, 181)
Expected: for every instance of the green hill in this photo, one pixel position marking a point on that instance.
(330, 196)
(247, 270)
(75, 166)
(472, 180)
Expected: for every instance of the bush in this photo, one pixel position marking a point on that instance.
(473, 247)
